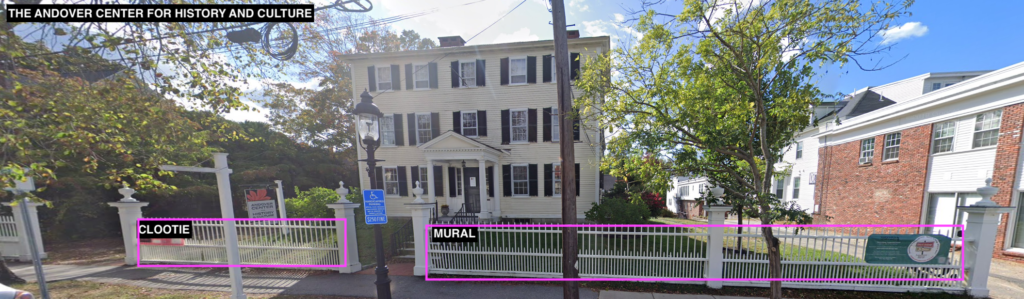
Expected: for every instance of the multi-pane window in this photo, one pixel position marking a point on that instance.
(390, 180)
(387, 130)
(780, 185)
(421, 76)
(891, 148)
(520, 130)
(520, 180)
(384, 78)
(867, 150)
(799, 149)
(555, 124)
(796, 187)
(517, 70)
(467, 72)
(554, 70)
(424, 177)
(685, 191)
(949, 84)
(469, 125)
(986, 129)
(423, 129)
(942, 138)
(458, 181)
(556, 179)
(936, 86)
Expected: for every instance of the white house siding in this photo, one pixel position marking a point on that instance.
(805, 167)
(902, 90)
(693, 185)
(492, 98)
(962, 172)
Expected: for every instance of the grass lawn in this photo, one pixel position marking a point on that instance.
(86, 289)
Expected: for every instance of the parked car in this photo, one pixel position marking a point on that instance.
(7, 292)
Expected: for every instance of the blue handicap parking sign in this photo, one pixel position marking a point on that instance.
(374, 208)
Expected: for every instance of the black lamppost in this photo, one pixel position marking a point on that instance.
(368, 128)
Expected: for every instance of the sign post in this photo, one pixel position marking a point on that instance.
(374, 207)
(260, 205)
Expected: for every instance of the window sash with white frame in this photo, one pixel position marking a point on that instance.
(942, 138)
(423, 128)
(519, 125)
(891, 147)
(867, 150)
(780, 187)
(520, 180)
(421, 77)
(423, 178)
(384, 78)
(517, 70)
(796, 187)
(556, 179)
(986, 129)
(942, 209)
(469, 123)
(467, 73)
(799, 149)
(390, 180)
(554, 70)
(458, 181)
(1018, 229)
(936, 86)
(387, 130)
(555, 124)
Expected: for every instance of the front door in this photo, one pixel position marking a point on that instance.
(471, 181)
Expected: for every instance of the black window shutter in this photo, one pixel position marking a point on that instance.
(451, 182)
(399, 138)
(396, 77)
(455, 74)
(372, 76)
(577, 179)
(505, 137)
(533, 179)
(415, 172)
(433, 74)
(546, 62)
(575, 65)
(403, 184)
(490, 181)
(531, 69)
(412, 129)
(481, 74)
(435, 125)
(547, 124)
(379, 175)
(576, 126)
(531, 117)
(506, 174)
(548, 176)
(408, 77)
(457, 122)
(600, 179)
(481, 123)
(438, 181)
(504, 71)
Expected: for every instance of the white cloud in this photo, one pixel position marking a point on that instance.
(578, 4)
(521, 35)
(908, 30)
(619, 18)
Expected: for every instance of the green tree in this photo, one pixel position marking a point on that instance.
(723, 86)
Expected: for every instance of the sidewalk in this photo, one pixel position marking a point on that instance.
(319, 283)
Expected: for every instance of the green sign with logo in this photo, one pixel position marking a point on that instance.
(907, 249)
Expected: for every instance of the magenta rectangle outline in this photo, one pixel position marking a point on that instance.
(138, 245)
(426, 269)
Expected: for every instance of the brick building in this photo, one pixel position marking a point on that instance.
(923, 149)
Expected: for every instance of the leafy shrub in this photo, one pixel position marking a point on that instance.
(667, 213)
(618, 211)
(311, 203)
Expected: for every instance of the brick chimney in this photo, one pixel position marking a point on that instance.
(573, 34)
(451, 41)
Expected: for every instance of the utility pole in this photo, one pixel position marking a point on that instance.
(571, 289)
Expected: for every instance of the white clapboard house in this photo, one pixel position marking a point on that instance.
(477, 127)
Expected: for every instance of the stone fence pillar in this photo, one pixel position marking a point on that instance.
(716, 237)
(130, 210)
(344, 208)
(980, 239)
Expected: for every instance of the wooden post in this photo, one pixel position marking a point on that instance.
(571, 289)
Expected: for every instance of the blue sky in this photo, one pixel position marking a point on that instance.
(940, 36)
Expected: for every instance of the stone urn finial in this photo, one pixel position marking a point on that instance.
(127, 193)
(342, 193)
(986, 194)
(418, 192)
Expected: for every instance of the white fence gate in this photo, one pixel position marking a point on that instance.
(307, 242)
(9, 243)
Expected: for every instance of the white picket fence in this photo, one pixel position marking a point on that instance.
(10, 245)
(307, 242)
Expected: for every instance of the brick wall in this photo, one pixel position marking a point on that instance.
(880, 193)
(1005, 172)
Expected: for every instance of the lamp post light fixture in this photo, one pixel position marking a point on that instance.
(368, 128)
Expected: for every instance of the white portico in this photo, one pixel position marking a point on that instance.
(473, 172)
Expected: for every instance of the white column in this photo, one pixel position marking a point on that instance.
(130, 210)
(420, 218)
(716, 236)
(25, 254)
(979, 237)
(220, 163)
(344, 208)
(280, 204)
(497, 195)
(481, 182)
(430, 180)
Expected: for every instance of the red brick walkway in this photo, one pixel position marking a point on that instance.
(403, 269)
